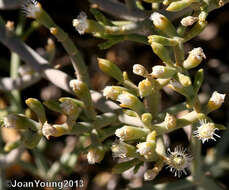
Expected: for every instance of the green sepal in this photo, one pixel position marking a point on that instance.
(121, 167)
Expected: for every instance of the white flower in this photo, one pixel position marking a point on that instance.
(216, 100)
(197, 53)
(81, 24)
(139, 70)
(126, 99)
(158, 70)
(144, 148)
(110, 92)
(206, 131)
(178, 161)
(31, 8)
(157, 19)
(122, 133)
(75, 84)
(189, 20)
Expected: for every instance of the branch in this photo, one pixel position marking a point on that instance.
(19, 83)
(120, 10)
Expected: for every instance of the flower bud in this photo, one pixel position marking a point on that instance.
(146, 149)
(160, 71)
(184, 79)
(113, 92)
(170, 121)
(152, 137)
(189, 20)
(195, 30)
(127, 133)
(95, 155)
(36, 106)
(163, 24)
(162, 40)
(128, 100)
(195, 57)
(81, 90)
(81, 23)
(111, 69)
(123, 150)
(145, 88)
(147, 120)
(179, 5)
(140, 70)
(162, 52)
(216, 101)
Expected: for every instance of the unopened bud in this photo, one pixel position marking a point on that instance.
(128, 100)
(179, 5)
(163, 24)
(184, 79)
(36, 106)
(162, 52)
(189, 20)
(123, 150)
(145, 88)
(170, 121)
(111, 69)
(162, 40)
(160, 71)
(127, 133)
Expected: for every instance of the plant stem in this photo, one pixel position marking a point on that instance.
(197, 161)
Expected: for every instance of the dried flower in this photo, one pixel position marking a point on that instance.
(178, 161)
(48, 130)
(119, 149)
(81, 24)
(206, 131)
(10, 121)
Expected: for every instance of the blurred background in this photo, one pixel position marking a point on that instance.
(214, 40)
